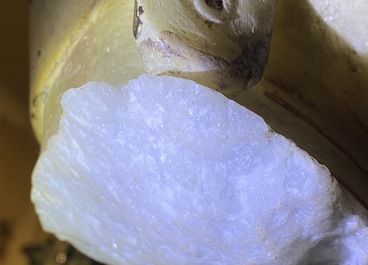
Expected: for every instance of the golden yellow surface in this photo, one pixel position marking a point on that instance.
(94, 43)
(18, 147)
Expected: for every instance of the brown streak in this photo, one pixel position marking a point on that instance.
(359, 121)
(286, 105)
(349, 189)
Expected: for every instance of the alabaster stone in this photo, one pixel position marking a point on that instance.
(166, 171)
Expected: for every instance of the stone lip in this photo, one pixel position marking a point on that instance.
(73, 43)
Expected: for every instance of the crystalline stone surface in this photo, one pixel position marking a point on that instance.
(348, 19)
(165, 171)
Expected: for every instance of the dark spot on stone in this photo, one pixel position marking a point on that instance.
(209, 24)
(5, 233)
(251, 63)
(140, 10)
(353, 66)
(215, 4)
(222, 85)
(39, 99)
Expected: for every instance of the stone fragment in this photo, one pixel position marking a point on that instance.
(166, 171)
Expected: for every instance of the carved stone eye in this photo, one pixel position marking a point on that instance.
(215, 11)
(215, 4)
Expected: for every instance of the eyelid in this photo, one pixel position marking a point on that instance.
(217, 16)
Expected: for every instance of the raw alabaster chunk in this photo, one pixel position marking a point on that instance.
(166, 171)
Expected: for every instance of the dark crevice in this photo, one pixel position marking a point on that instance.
(215, 4)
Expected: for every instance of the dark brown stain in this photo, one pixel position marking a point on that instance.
(289, 107)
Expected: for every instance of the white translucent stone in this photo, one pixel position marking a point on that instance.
(165, 171)
(348, 18)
